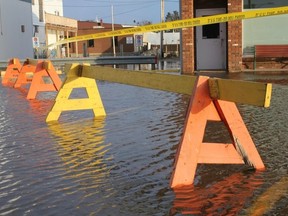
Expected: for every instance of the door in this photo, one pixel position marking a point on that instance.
(211, 43)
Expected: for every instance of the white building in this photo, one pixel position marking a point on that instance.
(16, 29)
(168, 38)
(171, 42)
(23, 20)
(39, 9)
(50, 26)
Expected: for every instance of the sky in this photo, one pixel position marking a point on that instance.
(124, 11)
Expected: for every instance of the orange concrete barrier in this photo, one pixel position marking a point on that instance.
(29, 66)
(12, 71)
(44, 69)
(192, 150)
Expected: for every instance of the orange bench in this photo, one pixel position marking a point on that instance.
(270, 51)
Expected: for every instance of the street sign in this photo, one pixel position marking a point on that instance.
(138, 40)
(35, 41)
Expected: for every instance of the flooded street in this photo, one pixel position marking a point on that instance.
(121, 164)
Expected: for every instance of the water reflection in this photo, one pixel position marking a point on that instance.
(226, 197)
(40, 107)
(167, 64)
(82, 149)
(269, 198)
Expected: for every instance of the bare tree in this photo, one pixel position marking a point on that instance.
(143, 22)
(172, 17)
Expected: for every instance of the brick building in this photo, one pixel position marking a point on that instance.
(123, 44)
(229, 46)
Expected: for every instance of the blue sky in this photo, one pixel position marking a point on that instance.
(125, 11)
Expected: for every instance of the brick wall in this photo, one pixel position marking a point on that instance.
(102, 46)
(234, 38)
(234, 49)
(187, 39)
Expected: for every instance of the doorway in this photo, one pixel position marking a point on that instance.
(211, 42)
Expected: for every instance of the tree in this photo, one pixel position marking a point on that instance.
(172, 16)
(142, 23)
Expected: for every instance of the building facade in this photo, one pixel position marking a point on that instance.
(16, 29)
(39, 8)
(171, 43)
(228, 46)
(123, 45)
(58, 28)
(50, 26)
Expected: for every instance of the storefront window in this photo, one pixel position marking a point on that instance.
(249, 4)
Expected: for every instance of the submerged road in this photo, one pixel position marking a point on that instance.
(121, 164)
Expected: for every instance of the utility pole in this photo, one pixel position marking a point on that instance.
(161, 33)
(113, 38)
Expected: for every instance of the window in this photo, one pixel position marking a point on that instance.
(91, 43)
(22, 28)
(116, 40)
(36, 29)
(211, 31)
(129, 40)
(248, 4)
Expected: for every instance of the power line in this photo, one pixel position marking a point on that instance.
(134, 6)
(132, 10)
(108, 4)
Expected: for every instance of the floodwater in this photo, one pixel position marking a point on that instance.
(121, 164)
(167, 64)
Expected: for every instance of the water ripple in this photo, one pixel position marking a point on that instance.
(121, 164)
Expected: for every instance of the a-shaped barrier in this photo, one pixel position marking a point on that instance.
(65, 103)
(211, 100)
(12, 71)
(193, 151)
(38, 84)
(34, 72)
(27, 71)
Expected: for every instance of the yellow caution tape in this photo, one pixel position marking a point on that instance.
(181, 24)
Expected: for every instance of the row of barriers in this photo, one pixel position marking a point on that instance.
(33, 72)
(211, 100)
